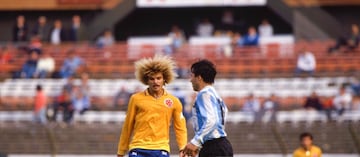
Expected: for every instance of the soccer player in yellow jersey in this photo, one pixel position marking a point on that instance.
(145, 132)
(307, 148)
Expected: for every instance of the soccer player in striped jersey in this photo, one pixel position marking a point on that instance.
(208, 115)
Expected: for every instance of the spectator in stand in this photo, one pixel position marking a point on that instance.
(266, 29)
(106, 40)
(221, 33)
(45, 66)
(40, 105)
(85, 91)
(20, 30)
(63, 102)
(237, 40)
(328, 106)
(41, 29)
(71, 64)
(355, 86)
(305, 63)
(229, 34)
(69, 85)
(227, 50)
(77, 31)
(205, 28)
(271, 106)
(182, 71)
(350, 43)
(342, 101)
(307, 149)
(29, 68)
(121, 99)
(177, 36)
(79, 101)
(5, 56)
(252, 105)
(252, 38)
(57, 33)
(227, 20)
(313, 102)
(35, 45)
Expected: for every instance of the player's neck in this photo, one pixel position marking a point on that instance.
(307, 148)
(156, 94)
(203, 85)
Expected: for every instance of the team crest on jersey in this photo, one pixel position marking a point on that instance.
(168, 102)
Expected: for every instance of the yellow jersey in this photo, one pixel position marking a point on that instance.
(313, 152)
(148, 120)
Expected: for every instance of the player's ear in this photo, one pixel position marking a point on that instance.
(200, 78)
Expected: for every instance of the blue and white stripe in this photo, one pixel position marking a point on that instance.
(209, 114)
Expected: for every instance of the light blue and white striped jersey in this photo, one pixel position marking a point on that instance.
(208, 119)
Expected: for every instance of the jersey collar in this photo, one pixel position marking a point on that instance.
(146, 92)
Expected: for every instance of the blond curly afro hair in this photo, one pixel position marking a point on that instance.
(158, 64)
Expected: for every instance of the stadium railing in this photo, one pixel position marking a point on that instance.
(263, 61)
(16, 93)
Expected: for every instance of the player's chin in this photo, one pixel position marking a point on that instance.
(156, 87)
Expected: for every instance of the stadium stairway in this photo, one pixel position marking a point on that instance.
(331, 137)
(24, 138)
(100, 138)
(95, 134)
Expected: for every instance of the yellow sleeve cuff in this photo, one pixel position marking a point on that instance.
(121, 152)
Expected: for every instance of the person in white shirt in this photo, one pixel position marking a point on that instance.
(305, 63)
(45, 66)
(178, 38)
(227, 20)
(342, 101)
(57, 34)
(106, 40)
(265, 29)
(270, 107)
(205, 28)
(252, 106)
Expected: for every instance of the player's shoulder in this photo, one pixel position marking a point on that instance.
(137, 95)
(316, 148)
(297, 151)
(206, 92)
